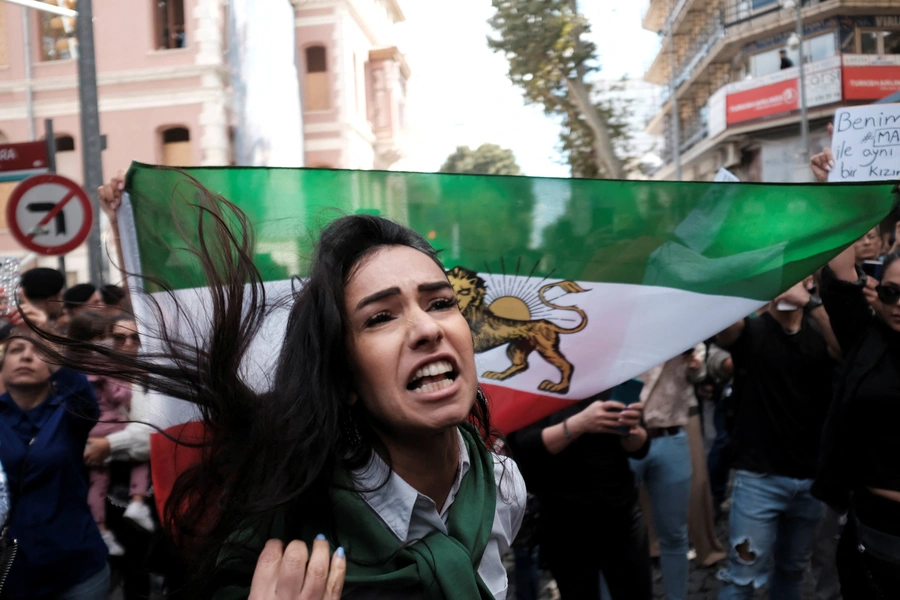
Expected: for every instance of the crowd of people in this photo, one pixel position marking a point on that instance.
(370, 468)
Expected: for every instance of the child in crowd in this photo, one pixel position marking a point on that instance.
(114, 398)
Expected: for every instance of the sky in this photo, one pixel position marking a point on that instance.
(459, 94)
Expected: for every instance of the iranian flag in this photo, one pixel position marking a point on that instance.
(570, 286)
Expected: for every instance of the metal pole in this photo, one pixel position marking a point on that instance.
(91, 150)
(676, 129)
(804, 118)
(29, 92)
(50, 139)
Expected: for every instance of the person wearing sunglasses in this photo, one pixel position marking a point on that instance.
(859, 467)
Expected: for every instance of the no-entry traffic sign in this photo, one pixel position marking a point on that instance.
(49, 214)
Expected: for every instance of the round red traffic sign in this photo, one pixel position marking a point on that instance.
(49, 214)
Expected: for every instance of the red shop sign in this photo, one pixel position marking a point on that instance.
(870, 82)
(27, 156)
(763, 101)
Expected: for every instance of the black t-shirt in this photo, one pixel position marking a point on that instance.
(786, 385)
(591, 473)
(873, 418)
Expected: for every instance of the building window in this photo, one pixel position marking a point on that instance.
(170, 24)
(877, 42)
(176, 147)
(814, 49)
(891, 42)
(65, 143)
(317, 94)
(68, 162)
(57, 35)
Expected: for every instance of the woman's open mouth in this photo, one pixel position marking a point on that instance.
(433, 377)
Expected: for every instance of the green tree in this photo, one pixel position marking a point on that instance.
(550, 59)
(487, 159)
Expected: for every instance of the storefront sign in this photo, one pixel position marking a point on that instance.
(870, 76)
(823, 82)
(762, 101)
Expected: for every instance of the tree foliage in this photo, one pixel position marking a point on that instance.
(487, 159)
(546, 45)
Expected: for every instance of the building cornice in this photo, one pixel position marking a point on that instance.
(394, 54)
(67, 82)
(163, 98)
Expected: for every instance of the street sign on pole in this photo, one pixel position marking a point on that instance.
(49, 214)
(20, 161)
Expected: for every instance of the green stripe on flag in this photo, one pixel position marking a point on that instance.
(732, 239)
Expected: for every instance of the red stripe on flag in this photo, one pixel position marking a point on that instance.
(513, 409)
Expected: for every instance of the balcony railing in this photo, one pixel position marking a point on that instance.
(705, 39)
(730, 13)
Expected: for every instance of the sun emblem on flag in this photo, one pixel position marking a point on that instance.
(517, 315)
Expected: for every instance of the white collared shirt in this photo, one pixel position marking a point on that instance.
(411, 515)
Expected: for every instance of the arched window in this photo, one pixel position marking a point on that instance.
(176, 147)
(316, 91)
(65, 143)
(68, 161)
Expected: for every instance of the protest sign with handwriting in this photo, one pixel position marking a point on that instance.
(866, 143)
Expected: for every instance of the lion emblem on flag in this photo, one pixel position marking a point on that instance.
(507, 320)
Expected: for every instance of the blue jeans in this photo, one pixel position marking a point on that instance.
(773, 520)
(95, 587)
(666, 470)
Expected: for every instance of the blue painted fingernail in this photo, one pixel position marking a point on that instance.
(340, 552)
(321, 536)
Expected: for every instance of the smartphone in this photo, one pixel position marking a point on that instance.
(786, 307)
(627, 393)
(873, 268)
(9, 283)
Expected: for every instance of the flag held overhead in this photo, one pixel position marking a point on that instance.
(570, 286)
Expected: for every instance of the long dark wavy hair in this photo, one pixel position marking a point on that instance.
(278, 446)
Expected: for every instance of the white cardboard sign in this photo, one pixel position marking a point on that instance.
(866, 143)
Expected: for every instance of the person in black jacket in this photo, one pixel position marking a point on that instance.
(576, 462)
(859, 466)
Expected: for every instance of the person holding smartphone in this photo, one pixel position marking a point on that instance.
(858, 468)
(576, 463)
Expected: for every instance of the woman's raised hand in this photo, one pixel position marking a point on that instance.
(291, 572)
(823, 162)
(110, 195)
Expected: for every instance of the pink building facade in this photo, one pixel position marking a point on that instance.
(165, 95)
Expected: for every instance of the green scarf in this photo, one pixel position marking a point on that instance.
(444, 566)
